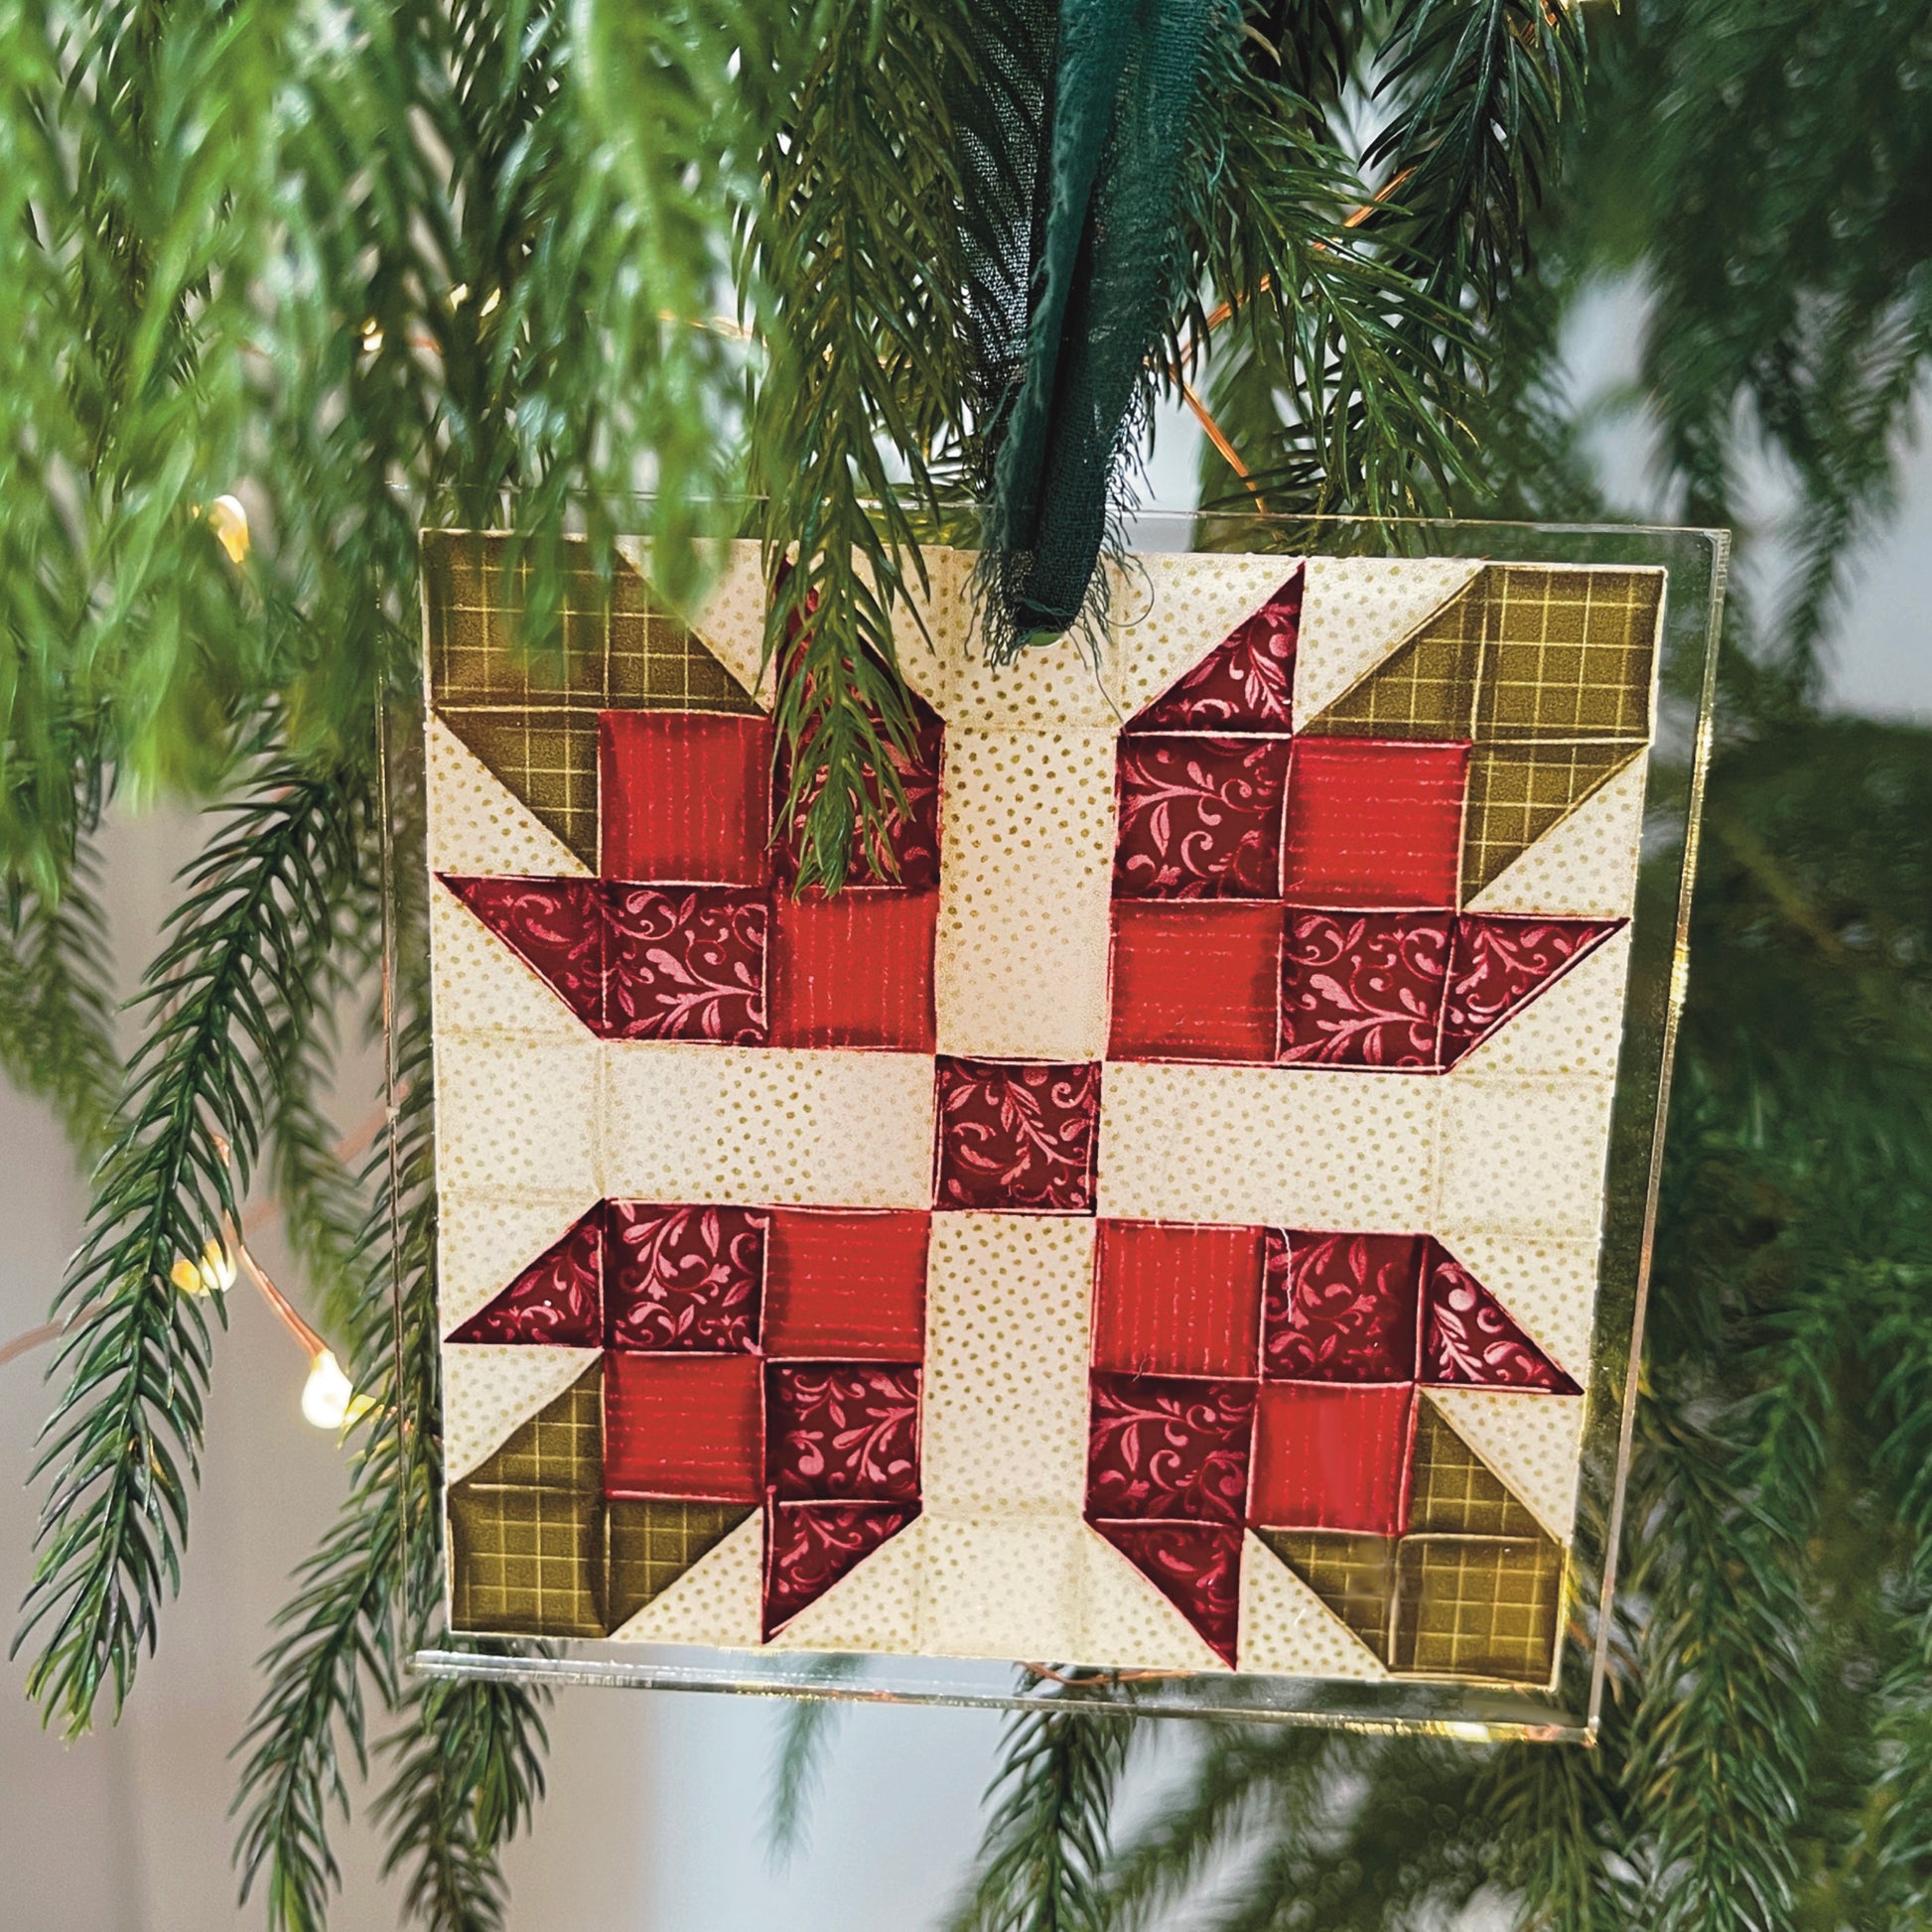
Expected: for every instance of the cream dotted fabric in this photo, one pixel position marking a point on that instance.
(762, 1126)
(516, 1116)
(486, 1238)
(1025, 886)
(1587, 866)
(1525, 1155)
(1007, 1347)
(1548, 1286)
(1127, 1623)
(478, 984)
(1170, 611)
(1532, 1443)
(715, 1602)
(490, 1390)
(1287, 1146)
(1355, 611)
(876, 1606)
(475, 826)
(1003, 1586)
(1286, 1627)
(1575, 1027)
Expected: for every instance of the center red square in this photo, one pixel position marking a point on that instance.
(1372, 822)
(683, 797)
(1331, 1459)
(683, 1426)
(1177, 1299)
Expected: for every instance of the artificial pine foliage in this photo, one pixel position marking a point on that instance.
(390, 261)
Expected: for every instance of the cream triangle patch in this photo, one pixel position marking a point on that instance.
(874, 1607)
(1586, 867)
(475, 825)
(491, 1389)
(718, 1601)
(1355, 611)
(1169, 609)
(1530, 1441)
(1127, 1623)
(1287, 1631)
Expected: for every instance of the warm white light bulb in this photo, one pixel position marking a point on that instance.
(327, 1395)
(227, 517)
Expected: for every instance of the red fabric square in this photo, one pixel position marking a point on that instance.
(1197, 1567)
(1245, 683)
(1341, 1307)
(1201, 817)
(1166, 1446)
(1470, 1339)
(677, 1424)
(555, 1300)
(1198, 982)
(555, 925)
(809, 1547)
(682, 1276)
(1174, 1300)
(1374, 823)
(1016, 1135)
(1500, 964)
(843, 1282)
(1329, 1458)
(842, 1431)
(686, 963)
(854, 970)
(904, 853)
(683, 797)
(1364, 989)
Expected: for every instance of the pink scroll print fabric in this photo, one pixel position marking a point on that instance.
(684, 1277)
(1016, 1135)
(1201, 817)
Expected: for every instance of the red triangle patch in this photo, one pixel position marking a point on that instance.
(556, 926)
(1499, 963)
(809, 1547)
(1470, 1341)
(557, 1300)
(1246, 683)
(1197, 1567)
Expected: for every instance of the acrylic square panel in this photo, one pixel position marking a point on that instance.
(1117, 1227)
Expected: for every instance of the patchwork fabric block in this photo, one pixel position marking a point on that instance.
(1150, 1352)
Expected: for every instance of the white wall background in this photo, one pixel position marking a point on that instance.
(654, 1820)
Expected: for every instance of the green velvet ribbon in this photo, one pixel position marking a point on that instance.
(1087, 243)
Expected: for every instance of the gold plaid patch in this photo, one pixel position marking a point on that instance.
(530, 715)
(525, 1560)
(1569, 654)
(649, 1546)
(1519, 792)
(1477, 1608)
(1454, 1491)
(1353, 1575)
(560, 1447)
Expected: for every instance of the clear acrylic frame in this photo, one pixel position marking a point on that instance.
(1695, 562)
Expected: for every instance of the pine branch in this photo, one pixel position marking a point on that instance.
(860, 244)
(123, 1447)
(469, 1772)
(1047, 1839)
(806, 1727)
(57, 1023)
(346, 1620)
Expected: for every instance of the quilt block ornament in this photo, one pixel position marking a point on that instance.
(1156, 1226)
